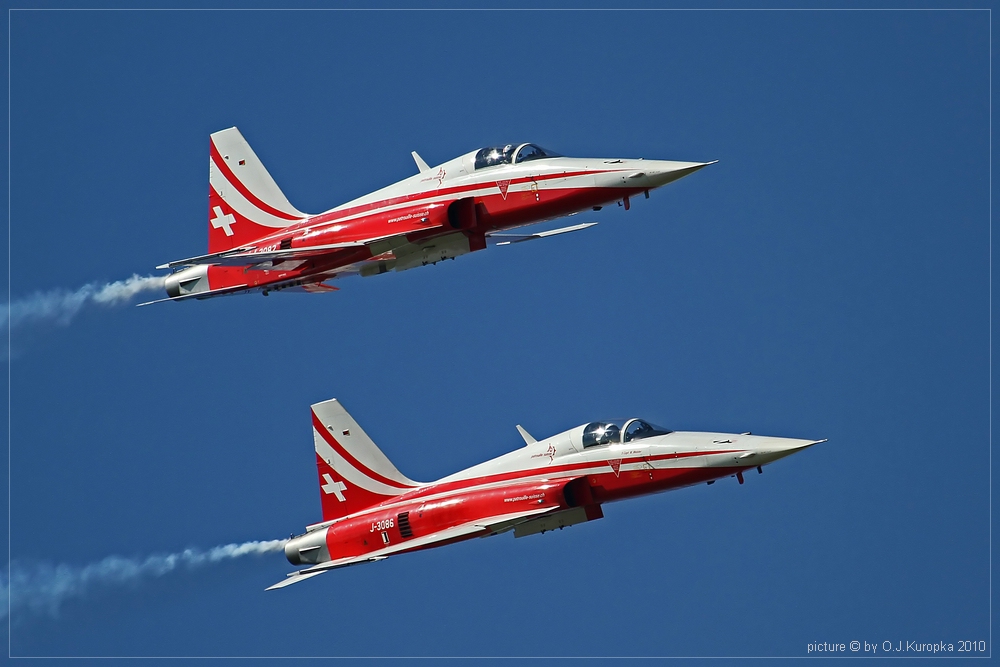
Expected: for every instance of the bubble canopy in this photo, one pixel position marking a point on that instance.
(492, 156)
(606, 433)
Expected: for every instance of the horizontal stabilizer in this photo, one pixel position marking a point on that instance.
(301, 575)
(294, 578)
(245, 256)
(200, 259)
(207, 294)
(507, 239)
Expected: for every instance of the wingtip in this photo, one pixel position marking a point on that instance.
(150, 303)
(294, 578)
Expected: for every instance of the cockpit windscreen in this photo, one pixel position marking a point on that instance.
(606, 433)
(600, 433)
(496, 155)
(638, 429)
(532, 152)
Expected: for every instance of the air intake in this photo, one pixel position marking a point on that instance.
(403, 521)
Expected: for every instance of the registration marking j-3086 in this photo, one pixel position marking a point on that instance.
(382, 525)
(518, 490)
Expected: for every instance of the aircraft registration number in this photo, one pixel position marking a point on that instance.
(382, 525)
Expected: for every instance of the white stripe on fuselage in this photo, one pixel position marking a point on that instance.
(241, 204)
(597, 466)
(349, 472)
(485, 189)
(487, 183)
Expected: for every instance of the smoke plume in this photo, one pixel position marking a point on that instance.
(42, 588)
(61, 306)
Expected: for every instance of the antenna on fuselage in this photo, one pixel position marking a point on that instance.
(421, 165)
(528, 439)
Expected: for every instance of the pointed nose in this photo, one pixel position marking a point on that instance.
(661, 172)
(778, 448)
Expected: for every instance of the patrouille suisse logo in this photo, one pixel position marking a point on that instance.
(616, 465)
(550, 452)
(503, 185)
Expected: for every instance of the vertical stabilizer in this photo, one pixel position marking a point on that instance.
(244, 202)
(353, 471)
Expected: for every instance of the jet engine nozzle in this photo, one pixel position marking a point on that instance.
(307, 549)
(187, 281)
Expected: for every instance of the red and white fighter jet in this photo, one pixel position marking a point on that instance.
(258, 241)
(372, 511)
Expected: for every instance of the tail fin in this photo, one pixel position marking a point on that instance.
(353, 471)
(244, 202)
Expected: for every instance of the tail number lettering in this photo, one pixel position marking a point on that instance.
(379, 526)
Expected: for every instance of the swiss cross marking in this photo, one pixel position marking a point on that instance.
(336, 488)
(503, 185)
(225, 222)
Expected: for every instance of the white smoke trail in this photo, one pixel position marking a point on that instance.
(123, 290)
(61, 306)
(44, 587)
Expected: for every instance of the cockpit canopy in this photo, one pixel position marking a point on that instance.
(510, 154)
(606, 433)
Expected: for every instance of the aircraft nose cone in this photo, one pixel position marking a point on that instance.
(779, 448)
(661, 172)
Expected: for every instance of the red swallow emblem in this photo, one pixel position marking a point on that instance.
(503, 185)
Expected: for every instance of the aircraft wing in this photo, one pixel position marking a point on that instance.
(317, 286)
(207, 294)
(245, 256)
(248, 256)
(507, 239)
(494, 524)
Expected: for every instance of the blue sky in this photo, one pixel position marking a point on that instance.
(828, 278)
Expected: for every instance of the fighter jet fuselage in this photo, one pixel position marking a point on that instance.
(372, 511)
(257, 241)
